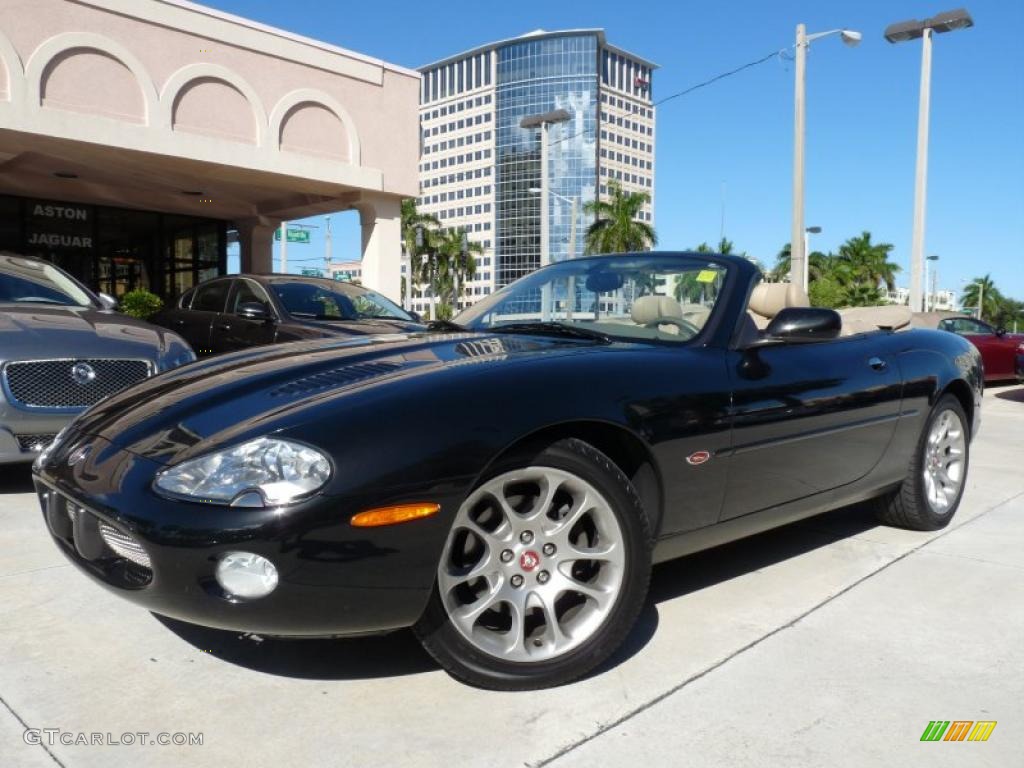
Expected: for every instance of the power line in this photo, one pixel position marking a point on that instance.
(692, 88)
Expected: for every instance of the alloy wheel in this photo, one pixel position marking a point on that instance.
(533, 565)
(944, 461)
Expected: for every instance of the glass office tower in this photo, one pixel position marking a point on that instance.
(480, 171)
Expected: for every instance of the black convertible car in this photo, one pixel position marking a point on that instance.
(504, 485)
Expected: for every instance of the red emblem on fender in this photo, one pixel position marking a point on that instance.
(529, 560)
(698, 458)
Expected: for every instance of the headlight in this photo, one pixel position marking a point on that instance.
(182, 358)
(265, 471)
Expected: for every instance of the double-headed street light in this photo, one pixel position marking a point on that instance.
(898, 33)
(797, 249)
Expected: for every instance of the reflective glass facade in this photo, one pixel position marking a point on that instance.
(534, 77)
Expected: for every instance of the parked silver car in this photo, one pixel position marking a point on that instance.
(63, 349)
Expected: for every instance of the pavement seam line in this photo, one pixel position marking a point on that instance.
(757, 641)
(34, 570)
(26, 727)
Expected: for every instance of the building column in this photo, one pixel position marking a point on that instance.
(381, 219)
(256, 238)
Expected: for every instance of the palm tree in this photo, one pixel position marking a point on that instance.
(870, 261)
(448, 265)
(616, 229)
(414, 222)
(990, 300)
(818, 265)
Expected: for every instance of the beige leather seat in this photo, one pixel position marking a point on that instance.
(649, 309)
(768, 299)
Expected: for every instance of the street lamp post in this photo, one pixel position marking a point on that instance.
(898, 33)
(797, 253)
(929, 291)
(544, 122)
(808, 231)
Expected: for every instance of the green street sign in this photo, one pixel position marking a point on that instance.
(294, 235)
(307, 272)
(339, 275)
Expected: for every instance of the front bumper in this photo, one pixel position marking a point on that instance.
(333, 579)
(23, 434)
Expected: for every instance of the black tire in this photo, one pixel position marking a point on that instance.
(471, 665)
(908, 506)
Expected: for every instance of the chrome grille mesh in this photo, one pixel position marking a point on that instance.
(67, 384)
(33, 443)
(124, 545)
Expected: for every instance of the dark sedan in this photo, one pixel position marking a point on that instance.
(1002, 353)
(503, 485)
(240, 311)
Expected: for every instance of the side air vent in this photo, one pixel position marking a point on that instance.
(336, 377)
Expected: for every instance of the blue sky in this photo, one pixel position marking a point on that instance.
(861, 115)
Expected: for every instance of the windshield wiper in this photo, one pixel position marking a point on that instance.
(445, 325)
(552, 328)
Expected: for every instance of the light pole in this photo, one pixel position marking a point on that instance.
(898, 33)
(544, 122)
(797, 255)
(808, 231)
(573, 208)
(929, 291)
(284, 247)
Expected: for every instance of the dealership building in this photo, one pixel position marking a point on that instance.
(482, 171)
(137, 137)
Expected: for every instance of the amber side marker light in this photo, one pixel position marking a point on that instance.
(400, 513)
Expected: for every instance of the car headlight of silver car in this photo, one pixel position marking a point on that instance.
(267, 471)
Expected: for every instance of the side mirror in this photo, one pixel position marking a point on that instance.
(107, 301)
(253, 310)
(1000, 332)
(416, 318)
(804, 324)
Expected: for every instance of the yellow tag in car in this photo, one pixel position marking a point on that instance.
(707, 276)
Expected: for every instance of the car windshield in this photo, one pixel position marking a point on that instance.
(655, 297)
(25, 281)
(329, 300)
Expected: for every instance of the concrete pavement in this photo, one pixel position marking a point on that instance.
(830, 642)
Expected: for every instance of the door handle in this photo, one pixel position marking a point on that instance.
(225, 326)
(878, 364)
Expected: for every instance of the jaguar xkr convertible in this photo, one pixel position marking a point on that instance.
(504, 484)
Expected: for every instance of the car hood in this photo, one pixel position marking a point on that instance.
(230, 398)
(43, 331)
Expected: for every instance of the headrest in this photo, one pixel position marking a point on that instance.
(768, 299)
(649, 309)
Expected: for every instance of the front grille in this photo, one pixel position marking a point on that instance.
(33, 443)
(70, 384)
(112, 554)
(125, 545)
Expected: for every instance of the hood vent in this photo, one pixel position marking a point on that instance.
(336, 377)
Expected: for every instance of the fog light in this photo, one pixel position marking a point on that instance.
(244, 574)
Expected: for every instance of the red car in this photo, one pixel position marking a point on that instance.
(1001, 352)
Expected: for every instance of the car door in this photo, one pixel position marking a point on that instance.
(808, 417)
(234, 331)
(207, 305)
